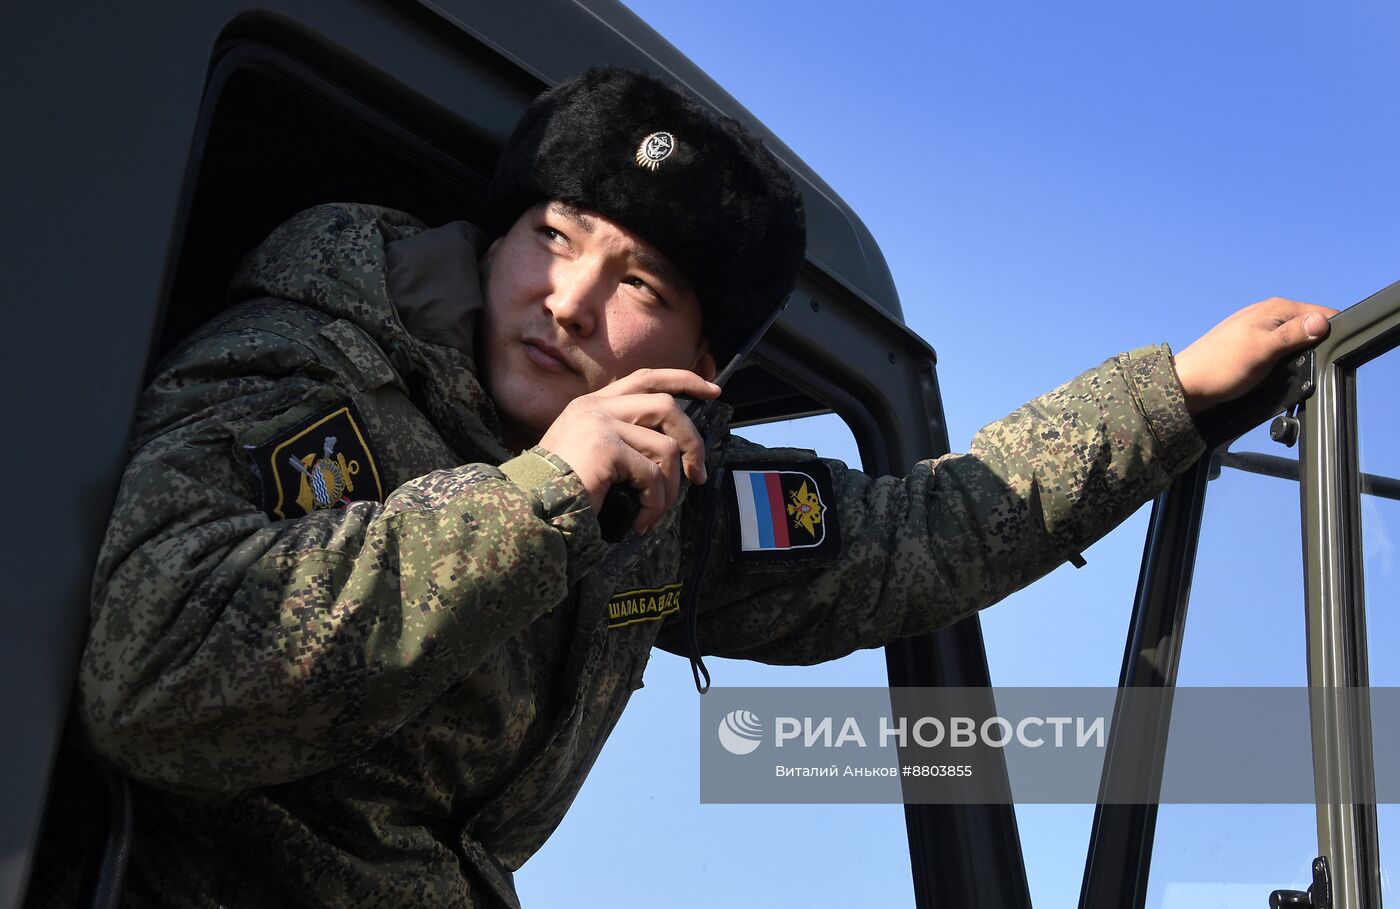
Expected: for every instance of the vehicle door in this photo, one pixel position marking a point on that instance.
(1282, 535)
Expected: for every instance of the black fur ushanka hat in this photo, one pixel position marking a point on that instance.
(697, 186)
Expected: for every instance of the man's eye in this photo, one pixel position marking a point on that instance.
(644, 287)
(552, 235)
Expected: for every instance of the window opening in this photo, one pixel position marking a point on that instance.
(1067, 629)
(647, 779)
(1246, 627)
(1378, 457)
(279, 140)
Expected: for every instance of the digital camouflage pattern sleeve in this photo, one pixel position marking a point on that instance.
(229, 649)
(897, 556)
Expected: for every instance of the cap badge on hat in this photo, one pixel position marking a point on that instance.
(654, 149)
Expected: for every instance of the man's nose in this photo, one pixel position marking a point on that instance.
(577, 297)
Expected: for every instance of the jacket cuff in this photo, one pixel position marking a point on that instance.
(562, 502)
(1152, 381)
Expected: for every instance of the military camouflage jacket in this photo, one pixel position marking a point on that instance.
(355, 653)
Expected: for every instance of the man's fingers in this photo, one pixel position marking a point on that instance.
(663, 456)
(666, 381)
(633, 432)
(634, 468)
(1303, 330)
(677, 426)
(658, 413)
(1231, 358)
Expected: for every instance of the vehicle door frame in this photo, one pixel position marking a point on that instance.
(1118, 860)
(1344, 775)
(969, 853)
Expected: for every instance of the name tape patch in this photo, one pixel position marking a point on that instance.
(321, 463)
(782, 512)
(649, 604)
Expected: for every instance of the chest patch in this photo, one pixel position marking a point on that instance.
(649, 604)
(324, 462)
(781, 512)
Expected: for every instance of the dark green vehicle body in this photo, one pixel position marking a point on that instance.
(149, 146)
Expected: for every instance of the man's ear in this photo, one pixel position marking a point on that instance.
(705, 364)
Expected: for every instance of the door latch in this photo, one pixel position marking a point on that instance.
(1318, 896)
(1302, 380)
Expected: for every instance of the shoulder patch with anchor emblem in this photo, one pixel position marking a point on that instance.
(324, 462)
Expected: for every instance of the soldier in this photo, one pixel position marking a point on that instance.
(355, 634)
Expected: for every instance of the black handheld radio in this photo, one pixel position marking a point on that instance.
(621, 504)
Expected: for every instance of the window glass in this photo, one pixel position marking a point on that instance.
(1246, 626)
(1066, 630)
(638, 836)
(1378, 450)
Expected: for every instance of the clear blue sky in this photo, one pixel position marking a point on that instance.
(1051, 184)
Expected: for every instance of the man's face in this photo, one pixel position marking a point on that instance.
(573, 302)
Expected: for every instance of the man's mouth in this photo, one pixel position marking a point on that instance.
(547, 357)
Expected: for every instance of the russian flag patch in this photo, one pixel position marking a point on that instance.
(780, 511)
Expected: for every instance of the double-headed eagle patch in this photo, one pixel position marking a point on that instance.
(323, 463)
(781, 512)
